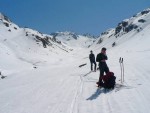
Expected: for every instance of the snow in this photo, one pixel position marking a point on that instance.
(49, 80)
(74, 40)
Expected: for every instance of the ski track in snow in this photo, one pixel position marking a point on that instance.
(80, 98)
(75, 91)
(106, 98)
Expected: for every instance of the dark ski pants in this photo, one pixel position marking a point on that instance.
(94, 66)
(102, 70)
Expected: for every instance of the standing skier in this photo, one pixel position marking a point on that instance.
(101, 58)
(92, 61)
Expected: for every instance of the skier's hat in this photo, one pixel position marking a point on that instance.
(104, 49)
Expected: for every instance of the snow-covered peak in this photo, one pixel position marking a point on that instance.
(20, 46)
(65, 35)
(73, 39)
(126, 28)
(3, 17)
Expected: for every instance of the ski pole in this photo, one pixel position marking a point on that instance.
(123, 69)
(120, 68)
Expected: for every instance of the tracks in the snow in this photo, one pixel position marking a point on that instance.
(75, 103)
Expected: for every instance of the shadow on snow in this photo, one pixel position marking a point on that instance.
(98, 92)
(117, 88)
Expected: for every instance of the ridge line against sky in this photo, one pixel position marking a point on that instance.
(80, 16)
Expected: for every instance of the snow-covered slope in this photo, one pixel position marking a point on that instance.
(48, 80)
(18, 45)
(74, 40)
(125, 31)
(133, 45)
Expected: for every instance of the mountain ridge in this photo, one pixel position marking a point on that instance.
(126, 28)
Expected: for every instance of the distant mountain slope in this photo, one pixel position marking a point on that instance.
(30, 46)
(24, 46)
(134, 27)
(74, 40)
(14, 30)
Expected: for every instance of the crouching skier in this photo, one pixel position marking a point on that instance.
(108, 81)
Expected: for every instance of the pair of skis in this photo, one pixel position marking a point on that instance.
(122, 69)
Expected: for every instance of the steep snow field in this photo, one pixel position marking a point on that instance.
(49, 80)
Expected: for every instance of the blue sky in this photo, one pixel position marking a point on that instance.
(80, 16)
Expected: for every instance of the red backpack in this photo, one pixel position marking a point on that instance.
(109, 80)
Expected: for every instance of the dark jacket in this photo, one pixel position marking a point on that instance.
(92, 57)
(101, 57)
